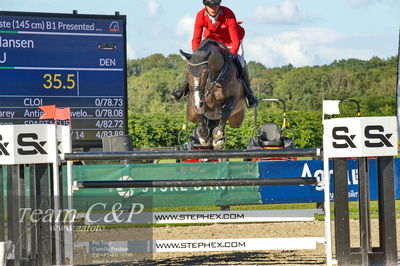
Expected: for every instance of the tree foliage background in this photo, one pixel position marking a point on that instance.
(155, 120)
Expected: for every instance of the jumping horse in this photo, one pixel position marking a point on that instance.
(216, 93)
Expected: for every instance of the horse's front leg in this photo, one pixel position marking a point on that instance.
(202, 131)
(219, 131)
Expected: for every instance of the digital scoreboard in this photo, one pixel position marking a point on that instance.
(67, 60)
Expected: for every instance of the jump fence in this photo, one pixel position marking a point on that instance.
(386, 253)
(27, 250)
(248, 244)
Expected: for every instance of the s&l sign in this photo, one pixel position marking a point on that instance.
(360, 137)
(30, 144)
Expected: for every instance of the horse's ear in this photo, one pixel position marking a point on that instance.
(186, 55)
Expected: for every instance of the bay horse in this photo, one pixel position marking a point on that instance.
(216, 93)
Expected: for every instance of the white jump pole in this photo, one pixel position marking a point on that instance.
(69, 239)
(56, 194)
(327, 207)
(2, 253)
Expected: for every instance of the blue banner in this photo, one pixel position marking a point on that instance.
(314, 168)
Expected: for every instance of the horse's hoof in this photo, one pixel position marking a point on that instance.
(218, 134)
(206, 142)
(203, 134)
(203, 142)
(217, 145)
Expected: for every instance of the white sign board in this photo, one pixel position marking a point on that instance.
(29, 144)
(360, 137)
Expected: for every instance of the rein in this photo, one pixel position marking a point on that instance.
(222, 72)
(219, 78)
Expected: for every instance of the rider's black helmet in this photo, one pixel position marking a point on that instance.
(211, 2)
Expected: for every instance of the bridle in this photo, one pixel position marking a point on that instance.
(211, 84)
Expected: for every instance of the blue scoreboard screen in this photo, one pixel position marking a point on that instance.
(67, 60)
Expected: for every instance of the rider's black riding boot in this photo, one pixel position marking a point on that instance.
(182, 90)
(251, 98)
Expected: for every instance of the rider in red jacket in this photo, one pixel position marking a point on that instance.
(219, 23)
(225, 29)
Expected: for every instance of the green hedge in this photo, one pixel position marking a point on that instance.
(164, 129)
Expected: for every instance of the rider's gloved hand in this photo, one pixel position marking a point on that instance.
(233, 56)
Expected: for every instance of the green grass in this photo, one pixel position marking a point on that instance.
(242, 207)
(354, 210)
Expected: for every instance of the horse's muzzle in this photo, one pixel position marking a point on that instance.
(200, 109)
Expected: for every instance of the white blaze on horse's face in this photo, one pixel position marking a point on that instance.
(198, 101)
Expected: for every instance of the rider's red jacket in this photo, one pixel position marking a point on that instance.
(226, 29)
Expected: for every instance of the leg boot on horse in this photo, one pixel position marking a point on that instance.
(251, 98)
(218, 138)
(181, 91)
(203, 133)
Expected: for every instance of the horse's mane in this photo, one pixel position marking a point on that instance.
(220, 45)
(206, 43)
